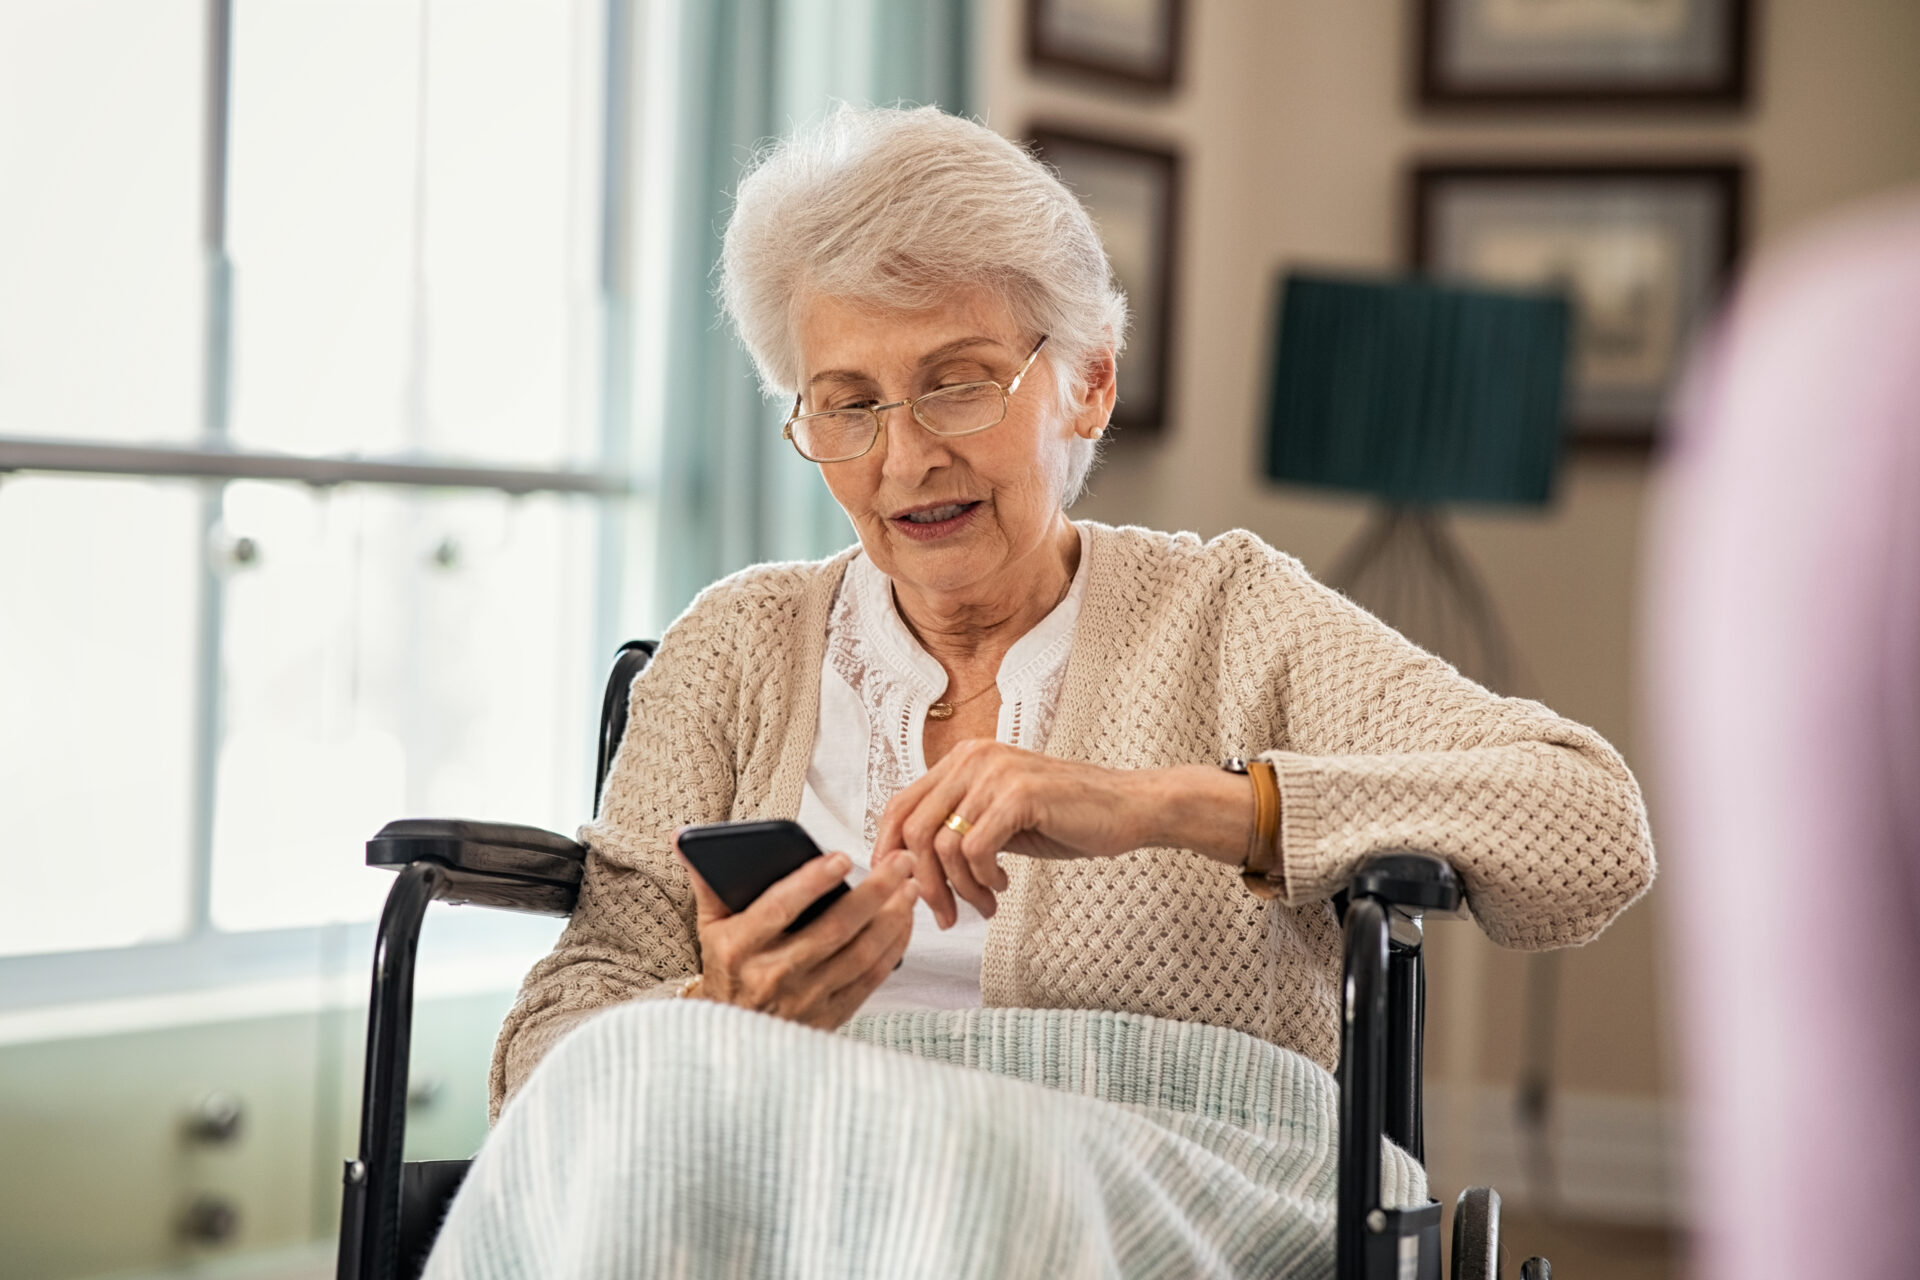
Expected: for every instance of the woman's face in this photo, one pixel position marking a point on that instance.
(994, 497)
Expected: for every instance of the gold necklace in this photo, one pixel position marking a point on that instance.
(943, 710)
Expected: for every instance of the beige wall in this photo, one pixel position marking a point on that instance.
(1295, 122)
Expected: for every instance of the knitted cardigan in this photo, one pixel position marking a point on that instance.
(1186, 652)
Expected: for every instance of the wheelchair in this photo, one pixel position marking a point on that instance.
(391, 1208)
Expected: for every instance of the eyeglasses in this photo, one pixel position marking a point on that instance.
(841, 435)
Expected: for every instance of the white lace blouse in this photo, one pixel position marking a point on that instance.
(875, 687)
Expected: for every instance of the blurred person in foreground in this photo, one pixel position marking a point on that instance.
(1009, 724)
(1785, 647)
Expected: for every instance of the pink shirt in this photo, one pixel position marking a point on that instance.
(1784, 622)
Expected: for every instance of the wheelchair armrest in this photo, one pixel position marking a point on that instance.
(1415, 881)
(495, 864)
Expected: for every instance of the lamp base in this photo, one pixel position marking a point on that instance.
(1406, 568)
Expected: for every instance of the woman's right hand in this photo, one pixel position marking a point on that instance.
(820, 974)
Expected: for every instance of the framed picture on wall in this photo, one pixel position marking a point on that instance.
(1583, 52)
(1133, 192)
(1133, 41)
(1643, 250)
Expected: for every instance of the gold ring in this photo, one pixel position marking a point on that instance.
(957, 823)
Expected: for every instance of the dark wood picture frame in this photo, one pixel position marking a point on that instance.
(1150, 285)
(1161, 70)
(1720, 180)
(1440, 86)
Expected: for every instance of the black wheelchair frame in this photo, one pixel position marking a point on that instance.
(392, 1208)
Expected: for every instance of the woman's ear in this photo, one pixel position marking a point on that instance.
(1096, 399)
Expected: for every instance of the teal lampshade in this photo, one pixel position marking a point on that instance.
(1417, 392)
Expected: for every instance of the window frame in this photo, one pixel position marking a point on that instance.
(205, 958)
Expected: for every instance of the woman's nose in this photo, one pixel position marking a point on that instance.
(907, 449)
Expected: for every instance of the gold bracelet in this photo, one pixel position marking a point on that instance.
(1257, 871)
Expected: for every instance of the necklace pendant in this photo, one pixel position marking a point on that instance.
(940, 711)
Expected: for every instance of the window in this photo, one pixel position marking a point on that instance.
(371, 232)
(97, 711)
(100, 267)
(99, 270)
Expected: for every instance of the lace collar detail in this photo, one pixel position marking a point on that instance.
(896, 679)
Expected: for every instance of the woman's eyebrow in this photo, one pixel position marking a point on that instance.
(955, 347)
(842, 376)
(946, 352)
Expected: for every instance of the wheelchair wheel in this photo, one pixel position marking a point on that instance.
(1476, 1235)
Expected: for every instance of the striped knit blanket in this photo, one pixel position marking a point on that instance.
(684, 1138)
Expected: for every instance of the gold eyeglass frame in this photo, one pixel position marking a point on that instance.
(912, 406)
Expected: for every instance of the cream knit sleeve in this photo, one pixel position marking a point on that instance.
(1388, 747)
(632, 933)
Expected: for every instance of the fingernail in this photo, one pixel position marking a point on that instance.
(840, 863)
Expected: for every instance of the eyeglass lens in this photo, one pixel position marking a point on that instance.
(971, 406)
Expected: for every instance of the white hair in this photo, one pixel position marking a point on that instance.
(895, 208)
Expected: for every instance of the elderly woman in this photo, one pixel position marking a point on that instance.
(1010, 726)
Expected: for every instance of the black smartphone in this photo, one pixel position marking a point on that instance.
(742, 860)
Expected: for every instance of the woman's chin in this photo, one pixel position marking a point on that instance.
(954, 561)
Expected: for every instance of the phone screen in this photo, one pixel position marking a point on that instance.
(742, 860)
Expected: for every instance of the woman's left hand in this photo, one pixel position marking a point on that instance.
(1013, 800)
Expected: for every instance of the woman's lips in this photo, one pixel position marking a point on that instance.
(933, 530)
